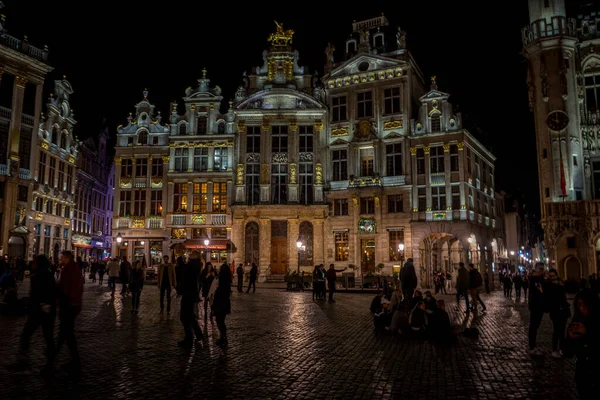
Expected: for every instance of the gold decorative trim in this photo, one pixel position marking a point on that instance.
(266, 126)
(339, 132)
(239, 177)
(72, 160)
(45, 145)
(293, 127)
(39, 216)
(426, 149)
(446, 147)
(293, 174)
(318, 126)
(413, 151)
(166, 159)
(393, 124)
(21, 81)
(67, 222)
(241, 127)
(118, 160)
(198, 219)
(460, 145)
(318, 174)
(281, 37)
(139, 223)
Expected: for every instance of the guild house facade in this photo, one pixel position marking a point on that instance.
(563, 81)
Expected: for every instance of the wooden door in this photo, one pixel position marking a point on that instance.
(279, 256)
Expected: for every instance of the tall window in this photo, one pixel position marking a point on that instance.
(183, 129)
(52, 172)
(279, 174)
(157, 167)
(391, 100)
(367, 205)
(61, 175)
(420, 161)
(180, 199)
(252, 247)
(141, 167)
(201, 126)
(422, 198)
(339, 109)
(200, 197)
(279, 139)
(435, 123)
(42, 168)
(436, 159)
(453, 157)
(340, 165)
(220, 160)
(469, 168)
(70, 179)
(139, 204)
(253, 183)
(340, 207)
(125, 203)
(201, 159)
(126, 167)
(306, 183)
(305, 254)
(455, 197)
(364, 104)
(253, 139)
(395, 238)
(393, 159)
(143, 137)
(219, 199)
(39, 204)
(156, 202)
(306, 138)
(181, 159)
(592, 91)
(438, 198)
(367, 158)
(25, 147)
(395, 203)
(471, 199)
(341, 246)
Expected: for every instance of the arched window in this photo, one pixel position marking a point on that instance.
(182, 129)
(221, 128)
(143, 138)
(55, 135)
(63, 141)
(251, 244)
(305, 253)
(435, 123)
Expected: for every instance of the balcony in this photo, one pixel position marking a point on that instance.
(541, 29)
(24, 47)
(364, 181)
(140, 182)
(197, 219)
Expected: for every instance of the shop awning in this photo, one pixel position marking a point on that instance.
(213, 244)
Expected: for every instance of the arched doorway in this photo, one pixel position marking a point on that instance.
(438, 252)
(279, 248)
(572, 268)
(16, 247)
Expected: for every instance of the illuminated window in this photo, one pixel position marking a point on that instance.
(219, 198)
(367, 161)
(341, 246)
(180, 191)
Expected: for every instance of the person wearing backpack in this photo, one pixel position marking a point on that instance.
(475, 284)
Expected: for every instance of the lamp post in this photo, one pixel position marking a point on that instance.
(206, 242)
(299, 246)
(119, 238)
(401, 256)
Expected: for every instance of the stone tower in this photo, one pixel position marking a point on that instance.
(549, 46)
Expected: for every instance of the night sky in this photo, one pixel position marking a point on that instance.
(111, 51)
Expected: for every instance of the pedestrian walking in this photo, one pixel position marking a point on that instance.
(70, 291)
(536, 306)
(136, 284)
(189, 298)
(475, 286)
(253, 276)
(113, 274)
(222, 302)
(125, 273)
(332, 279)
(42, 313)
(166, 281)
(101, 272)
(240, 278)
(462, 285)
(555, 301)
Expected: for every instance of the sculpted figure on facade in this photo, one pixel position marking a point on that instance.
(401, 39)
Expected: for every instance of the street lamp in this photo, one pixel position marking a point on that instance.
(206, 242)
(299, 245)
(119, 238)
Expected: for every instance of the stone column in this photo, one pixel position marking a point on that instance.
(318, 241)
(238, 240)
(35, 150)
(211, 158)
(264, 234)
(15, 123)
(293, 233)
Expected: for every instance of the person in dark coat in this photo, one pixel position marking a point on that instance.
(222, 302)
(253, 276)
(240, 278)
(536, 305)
(190, 295)
(408, 278)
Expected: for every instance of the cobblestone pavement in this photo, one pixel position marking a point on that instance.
(282, 345)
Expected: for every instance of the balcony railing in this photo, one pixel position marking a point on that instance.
(197, 219)
(218, 219)
(24, 47)
(540, 29)
(24, 173)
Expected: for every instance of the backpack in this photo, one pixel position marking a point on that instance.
(478, 279)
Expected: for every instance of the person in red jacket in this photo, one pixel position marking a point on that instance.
(70, 291)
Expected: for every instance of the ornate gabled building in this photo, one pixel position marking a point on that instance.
(55, 174)
(201, 156)
(23, 69)
(92, 219)
(140, 183)
(279, 207)
(404, 178)
(563, 83)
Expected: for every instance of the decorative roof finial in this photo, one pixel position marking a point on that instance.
(204, 73)
(64, 77)
(145, 93)
(433, 83)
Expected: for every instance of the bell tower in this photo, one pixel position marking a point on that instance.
(549, 46)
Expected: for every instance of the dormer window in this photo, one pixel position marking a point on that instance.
(182, 129)
(221, 128)
(143, 138)
(351, 46)
(201, 126)
(435, 123)
(378, 40)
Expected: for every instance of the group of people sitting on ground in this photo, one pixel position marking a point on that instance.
(418, 316)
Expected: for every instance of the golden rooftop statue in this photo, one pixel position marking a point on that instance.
(281, 38)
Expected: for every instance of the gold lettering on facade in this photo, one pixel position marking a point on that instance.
(239, 176)
(394, 124)
(319, 174)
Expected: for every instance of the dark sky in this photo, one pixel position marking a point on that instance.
(111, 51)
